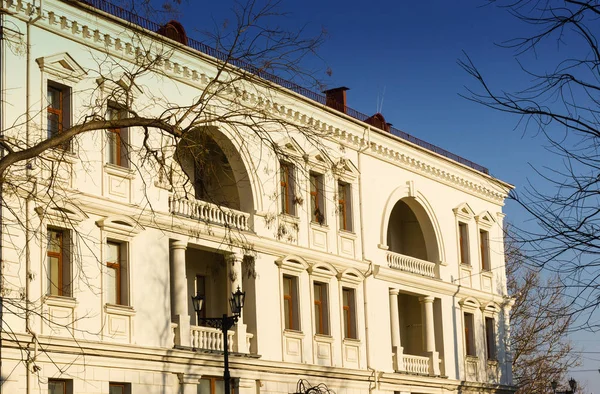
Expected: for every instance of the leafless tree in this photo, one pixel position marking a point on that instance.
(251, 54)
(561, 105)
(542, 351)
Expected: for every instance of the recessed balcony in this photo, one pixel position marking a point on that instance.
(410, 264)
(210, 213)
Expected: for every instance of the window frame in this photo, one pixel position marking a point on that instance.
(125, 385)
(63, 112)
(121, 288)
(291, 300)
(344, 204)
(317, 197)
(349, 322)
(463, 244)
(213, 383)
(484, 249)
(64, 263)
(490, 343)
(469, 334)
(322, 305)
(286, 188)
(67, 385)
(117, 138)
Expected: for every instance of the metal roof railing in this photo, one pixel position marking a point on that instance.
(135, 19)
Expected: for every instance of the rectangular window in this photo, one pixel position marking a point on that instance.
(290, 303)
(344, 207)
(116, 138)
(484, 243)
(288, 204)
(349, 313)
(60, 386)
(470, 334)
(212, 385)
(59, 264)
(116, 273)
(58, 110)
(317, 205)
(119, 388)
(463, 233)
(321, 308)
(490, 338)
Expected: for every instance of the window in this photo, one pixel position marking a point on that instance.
(484, 243)
(116, 277)
(58, 116)
(344, 208)
(290, 303)
(59, 265)
(212, 385)
(463, 233)
(117, 138)
(349, 313)
(490, 338)
(321, 308)
(288, 204)
(470, 334)
(60, 386)
(119, 388)
(317, 205)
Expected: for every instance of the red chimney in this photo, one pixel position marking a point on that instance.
(336, 98)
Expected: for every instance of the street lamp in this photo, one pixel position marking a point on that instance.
(572, 384)
(224, 323)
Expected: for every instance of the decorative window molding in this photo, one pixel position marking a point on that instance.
(345, 170)
(322, 271)
(292, 263)
(291, 148)
(61, 214)
(351, 276)
(469, 304)
(464, 212)
(61, 66)
(485, 220)
(121, 226)
(121, 90)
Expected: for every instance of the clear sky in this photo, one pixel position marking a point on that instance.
(409, 51)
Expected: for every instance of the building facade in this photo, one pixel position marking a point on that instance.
(371, 261)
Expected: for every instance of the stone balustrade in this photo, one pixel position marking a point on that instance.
(209, 213)
(410, 264)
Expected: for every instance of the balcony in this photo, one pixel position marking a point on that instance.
(211, 339)
(209, 213)
(410, 264)
(415, 364)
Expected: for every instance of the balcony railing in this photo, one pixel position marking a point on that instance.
(415, 364)
(208, 338)
(210, 213)
(410, 264)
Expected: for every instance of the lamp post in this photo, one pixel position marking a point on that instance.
(224, 323)
(572, 384)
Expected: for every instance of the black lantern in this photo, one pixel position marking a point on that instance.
(573, 384)
(198, 302)
(554, 385)
(236, 302)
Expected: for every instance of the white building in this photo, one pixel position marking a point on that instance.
(381, 273)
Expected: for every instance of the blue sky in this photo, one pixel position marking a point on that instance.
(409, 50)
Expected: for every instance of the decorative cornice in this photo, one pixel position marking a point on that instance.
(117, 47)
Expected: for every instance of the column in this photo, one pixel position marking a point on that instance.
(429, 342)
(179, 293)
(397, 350)
(234, 274)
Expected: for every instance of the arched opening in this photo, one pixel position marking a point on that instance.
(410, 231)
(214, 169)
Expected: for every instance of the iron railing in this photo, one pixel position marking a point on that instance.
(137, 20)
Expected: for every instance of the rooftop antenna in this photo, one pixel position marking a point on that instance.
(380, 103)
